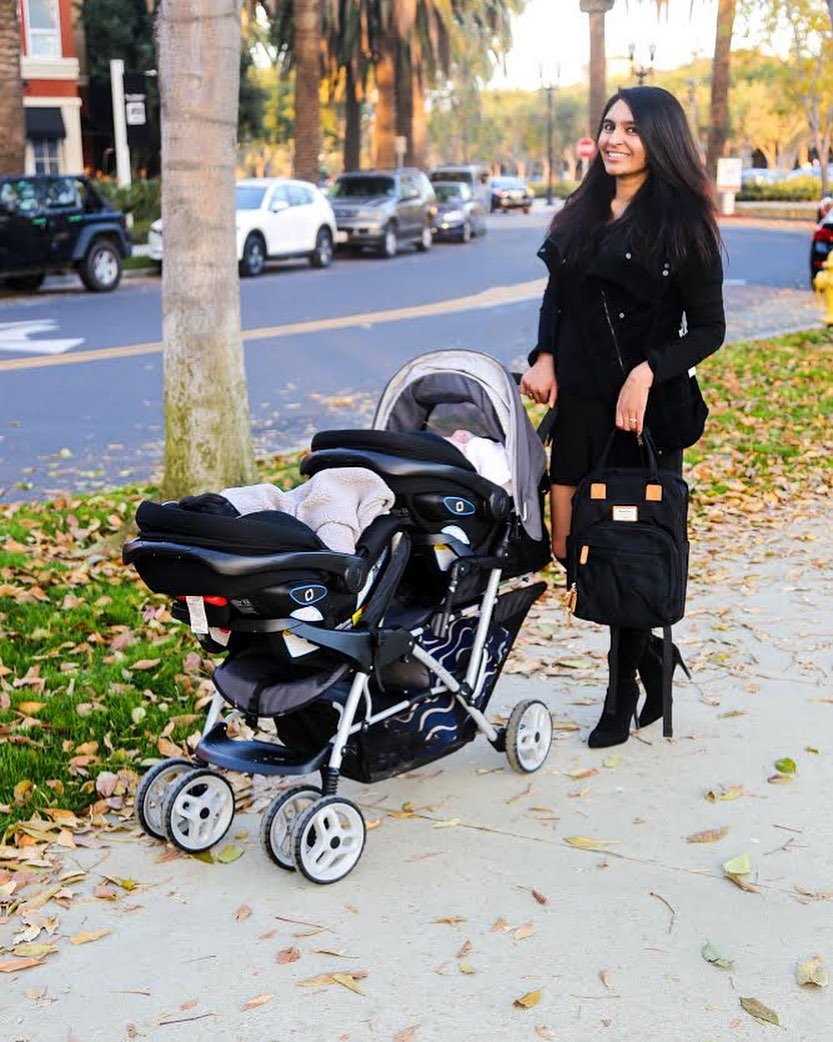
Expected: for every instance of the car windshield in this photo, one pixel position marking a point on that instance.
(248, 197)
(449, 193)
(363, 187)
(508, 182)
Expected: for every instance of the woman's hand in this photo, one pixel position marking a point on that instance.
(538, 382)
(633, 398)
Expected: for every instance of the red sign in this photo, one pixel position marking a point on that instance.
(585, 148)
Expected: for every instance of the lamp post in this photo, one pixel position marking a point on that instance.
(550, 87)
(642, 72)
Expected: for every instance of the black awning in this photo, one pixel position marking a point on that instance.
(44, 123)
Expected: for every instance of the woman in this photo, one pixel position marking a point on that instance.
(633, 254)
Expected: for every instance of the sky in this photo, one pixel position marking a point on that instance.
(550, 33)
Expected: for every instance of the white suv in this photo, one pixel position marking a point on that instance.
(276, 219)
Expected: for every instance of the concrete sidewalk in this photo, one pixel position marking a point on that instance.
(471, 898)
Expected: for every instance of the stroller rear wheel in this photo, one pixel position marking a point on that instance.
(198, 810)
(328, 839)
(276, 828)
(150, 794)
(528, 735)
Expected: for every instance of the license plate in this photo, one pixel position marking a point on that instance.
(341, 236)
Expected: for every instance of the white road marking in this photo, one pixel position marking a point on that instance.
(14, 336)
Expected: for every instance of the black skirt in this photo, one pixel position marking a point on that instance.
(581, 431)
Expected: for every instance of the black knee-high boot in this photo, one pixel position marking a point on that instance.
(626, 649)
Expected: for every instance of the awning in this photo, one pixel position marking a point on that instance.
(44, 123)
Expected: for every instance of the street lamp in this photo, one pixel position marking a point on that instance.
(642, 72)
(550, 87)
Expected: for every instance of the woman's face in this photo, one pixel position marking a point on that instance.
(620, 145)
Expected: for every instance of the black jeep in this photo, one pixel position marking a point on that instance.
(52, 223)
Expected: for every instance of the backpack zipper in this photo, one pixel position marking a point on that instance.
(612, 332)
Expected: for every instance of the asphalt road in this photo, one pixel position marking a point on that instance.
(81, 374)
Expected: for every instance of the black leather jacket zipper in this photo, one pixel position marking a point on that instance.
(613, 333)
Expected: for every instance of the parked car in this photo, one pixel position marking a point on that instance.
(821, 245)
(510, 193)
(276, 219)
(472, 173)
(459, 214)
(756, 175)
(52, 223)
(379, 209)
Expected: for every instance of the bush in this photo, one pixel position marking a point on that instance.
(801, 189)
(560, 189)
(142, 200)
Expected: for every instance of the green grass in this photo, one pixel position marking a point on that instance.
(75, 623)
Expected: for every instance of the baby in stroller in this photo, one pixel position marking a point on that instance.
(372, 662)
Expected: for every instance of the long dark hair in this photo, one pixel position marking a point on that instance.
(672, 213)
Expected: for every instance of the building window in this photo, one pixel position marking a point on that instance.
(47, 155)
(44, 28)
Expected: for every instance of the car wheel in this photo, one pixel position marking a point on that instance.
(426, 240)
(254, 257)
(100, 270)
(465, 234)
(388, 247)
(26, 283)
(322, 255)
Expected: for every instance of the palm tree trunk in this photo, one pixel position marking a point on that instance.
(307, 19)
(384, 128)
(207, 434)
(404, 99)
(419, 123)
(12, 128)
(352, 124)
(719, 119)
(597, 9)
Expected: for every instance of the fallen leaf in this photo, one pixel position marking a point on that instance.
(450, 824)
(287, 955)
(146, 663)
(259, 1001)
(759, 1011)
(347, 980)
(779, 779)
(405, 1035)
(522, 932)
(612, 761)
(185, 1006)
(88, 936)
(712, 955)
(13, 965)
(582, 772)
(724, 792)
(230, 852)
(542, 1031)
(449, 920)
(243, 912)
(532, 998)
(708, 835)
(785, 765)
(738, 866)
(586, 843)
(499, 925)
(465, 949)
(603, 975)
(540, 898)
(467, 968)
(813, 971)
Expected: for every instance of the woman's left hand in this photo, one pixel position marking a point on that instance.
(633, 398)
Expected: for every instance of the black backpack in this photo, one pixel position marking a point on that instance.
(627, 552)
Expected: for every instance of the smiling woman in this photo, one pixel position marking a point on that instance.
(634, 251)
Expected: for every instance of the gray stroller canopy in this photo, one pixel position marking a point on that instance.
(446, 390)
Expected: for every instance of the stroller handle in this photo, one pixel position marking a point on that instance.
(544, 428)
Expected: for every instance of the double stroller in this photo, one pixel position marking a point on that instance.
(361, 664)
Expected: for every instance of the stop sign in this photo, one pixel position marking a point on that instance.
(585, 148)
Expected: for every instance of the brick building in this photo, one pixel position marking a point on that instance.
(50, 71)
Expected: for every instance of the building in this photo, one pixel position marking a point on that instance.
(51, 99)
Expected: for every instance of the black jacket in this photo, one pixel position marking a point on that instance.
(631, 310)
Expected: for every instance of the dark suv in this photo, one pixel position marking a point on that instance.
(383, 208)
(52, 223)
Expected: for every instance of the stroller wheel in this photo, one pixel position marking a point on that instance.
(328, 839)
(150, 794)
(197, 810)
(528, 735)
(279, 821)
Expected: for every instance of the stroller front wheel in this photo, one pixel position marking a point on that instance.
(276, 828)
(528, 735)
(328, 839)
(150, 794)
(198, 810)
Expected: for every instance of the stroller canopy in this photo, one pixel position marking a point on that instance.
(446, 390)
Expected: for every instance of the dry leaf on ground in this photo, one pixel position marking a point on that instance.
(708, 835)
(759, 1011)
(532, 998)
(259, 1001)
(812, 971)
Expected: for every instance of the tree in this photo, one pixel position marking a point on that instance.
(307, 19)
(12, 127)
(207, 434)
(719, 111)
(597, 9)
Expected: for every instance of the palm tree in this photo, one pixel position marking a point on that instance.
(597, 9)
(12, 128)
(207, 435)
(719, 112)
(307, 53)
